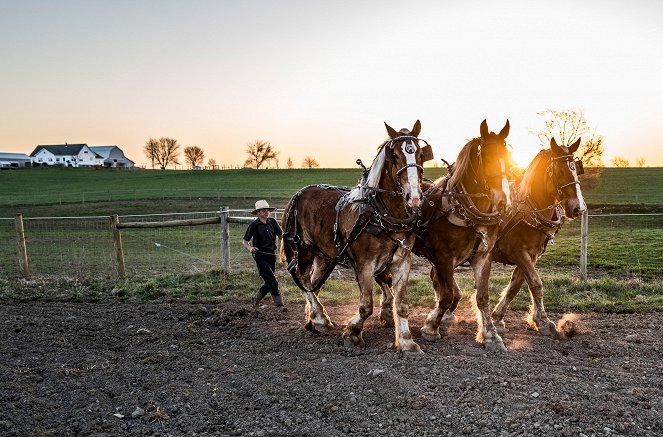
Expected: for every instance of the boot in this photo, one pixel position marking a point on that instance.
(278, 301)
(256, 298)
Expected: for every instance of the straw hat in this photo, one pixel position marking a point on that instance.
(262, 204)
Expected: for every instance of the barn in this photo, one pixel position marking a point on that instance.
(14, 160)
(112, 156)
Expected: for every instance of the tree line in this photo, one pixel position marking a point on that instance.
(165, 151)
(564, 125)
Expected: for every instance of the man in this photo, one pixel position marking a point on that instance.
(260, 240)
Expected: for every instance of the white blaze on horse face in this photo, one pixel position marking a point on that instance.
(581, 200)
(410, 150)
(505, 184)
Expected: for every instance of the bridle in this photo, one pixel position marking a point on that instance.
(485, 183)
(388, 147)
(574, 164)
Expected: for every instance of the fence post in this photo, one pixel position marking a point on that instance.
(22, 247)
(584, 234)
(117, 242)
(225, 241)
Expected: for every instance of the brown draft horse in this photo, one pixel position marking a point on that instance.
(460, 220)
(548, 193)
(370, 228)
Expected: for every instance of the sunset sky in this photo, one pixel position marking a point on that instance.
(319, 77)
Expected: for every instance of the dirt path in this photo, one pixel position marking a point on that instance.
(134, 368)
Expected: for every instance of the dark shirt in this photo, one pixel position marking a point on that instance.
(263, 234)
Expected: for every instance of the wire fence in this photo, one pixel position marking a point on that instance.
(625, 245)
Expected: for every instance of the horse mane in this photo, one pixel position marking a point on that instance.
(373, 178)
(463, 161)
(538, 164)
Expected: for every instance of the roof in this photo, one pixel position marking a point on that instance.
(103, 151)
(4, 155)
(62, 149)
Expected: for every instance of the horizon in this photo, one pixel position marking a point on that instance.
(319, 79)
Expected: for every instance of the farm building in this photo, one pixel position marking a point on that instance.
(65, 155)
(112, 156)
(14, 160)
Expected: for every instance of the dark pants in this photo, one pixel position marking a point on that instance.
(266, 265)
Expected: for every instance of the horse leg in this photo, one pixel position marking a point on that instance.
(486, 332)
(353, 332)
(317, 318)
(443, 283)
(508, 294)
(386, 299)
(538, 317)
(449, 317)
(403, 341)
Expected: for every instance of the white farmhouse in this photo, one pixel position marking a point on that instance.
(112, 156)
(66, 155)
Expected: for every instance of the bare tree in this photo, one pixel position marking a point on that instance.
(566, 127)
(641, 162)
(289, 163)
(162, 152)
(212, 163)
(260, 153)
(620, 162)
(193, 155)
(150, 149)
(309, 162)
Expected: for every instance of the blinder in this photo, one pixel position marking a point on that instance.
(580, 168)
(426, 153)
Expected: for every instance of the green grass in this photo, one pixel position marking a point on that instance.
(627, 186)
(562, 293)
(40, 186)
(625, 259)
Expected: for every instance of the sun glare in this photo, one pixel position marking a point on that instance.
(523, 155)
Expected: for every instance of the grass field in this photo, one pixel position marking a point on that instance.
(625, 257)
(46, 186)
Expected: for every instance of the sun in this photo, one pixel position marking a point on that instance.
(523, 155)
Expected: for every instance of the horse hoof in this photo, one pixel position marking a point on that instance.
(501, 327)
(547, 328)
(430, 334)
(353, 341)
(410, 348)
(494, 346)
(320, 328)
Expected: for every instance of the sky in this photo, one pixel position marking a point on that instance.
(319, 78)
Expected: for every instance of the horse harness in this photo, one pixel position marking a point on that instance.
(458, 207)
(373, 218)
(536, 217)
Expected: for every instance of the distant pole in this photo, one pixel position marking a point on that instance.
(117, 242)
(225, 241)
(22, 247)
(584, 235)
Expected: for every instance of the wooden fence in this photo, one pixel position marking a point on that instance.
(633, 247)
(223, 219)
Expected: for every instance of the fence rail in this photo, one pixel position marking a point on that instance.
(629, 245)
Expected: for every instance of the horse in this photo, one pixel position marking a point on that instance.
(459, 224)
(369, 228)
(547, 195)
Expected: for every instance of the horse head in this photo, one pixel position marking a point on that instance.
(494, 164)
(404, 159)
(562, 176)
